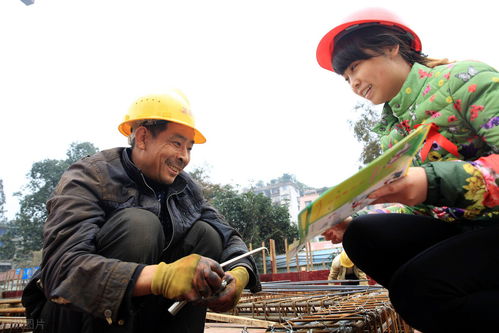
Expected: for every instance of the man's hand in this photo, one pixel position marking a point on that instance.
(237, 279)
(409, 190)
(335, 233)
(189, 278)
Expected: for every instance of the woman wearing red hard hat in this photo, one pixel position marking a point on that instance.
(435, 243)
(359, 20)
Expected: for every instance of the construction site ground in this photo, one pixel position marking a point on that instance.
(287, 303)
(281, 307)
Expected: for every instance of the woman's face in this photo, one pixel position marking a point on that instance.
(380, 78)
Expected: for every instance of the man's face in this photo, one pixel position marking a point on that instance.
(164, 156)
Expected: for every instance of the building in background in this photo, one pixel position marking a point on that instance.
(288, 192)
(284, 192)
(307, 197)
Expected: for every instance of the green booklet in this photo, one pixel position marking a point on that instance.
(340, 201)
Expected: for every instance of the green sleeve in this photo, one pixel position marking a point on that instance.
(463, 184)
(454, 184)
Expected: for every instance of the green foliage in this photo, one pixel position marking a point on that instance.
(362, 132)
(3, 219)
(210, 190)
(26, 228)
(254, 215)
(78, 150)
(7, 245)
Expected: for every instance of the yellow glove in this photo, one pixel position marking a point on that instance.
(242, 277)
(227, 299)
(176, 279)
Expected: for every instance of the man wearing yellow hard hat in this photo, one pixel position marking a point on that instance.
(343, 269)
(128, 233)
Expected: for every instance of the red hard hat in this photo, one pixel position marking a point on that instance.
(369, 15)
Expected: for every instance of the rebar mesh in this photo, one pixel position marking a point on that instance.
(315, 307)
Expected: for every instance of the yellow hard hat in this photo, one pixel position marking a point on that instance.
(171, 106)
(344, 260)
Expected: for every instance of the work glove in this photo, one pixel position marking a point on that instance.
(236, 279)
(189, 278)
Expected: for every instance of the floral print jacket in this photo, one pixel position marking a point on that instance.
(462, 101)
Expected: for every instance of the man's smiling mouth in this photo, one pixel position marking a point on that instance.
(173, 167)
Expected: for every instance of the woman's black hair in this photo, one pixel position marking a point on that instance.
(352, 46)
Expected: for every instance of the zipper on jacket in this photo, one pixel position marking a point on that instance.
(171, 221)
(158, 198)
(149, 187)
(160, 209)
(108, 314)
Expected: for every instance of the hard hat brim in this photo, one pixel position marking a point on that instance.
(125, 128)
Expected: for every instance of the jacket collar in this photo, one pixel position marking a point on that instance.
(406, 97)
(146, 183)
(410, 91)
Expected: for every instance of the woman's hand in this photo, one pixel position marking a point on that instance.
(335, 233)
(409, 190)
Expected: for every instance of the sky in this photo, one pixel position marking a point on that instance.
(69, 70)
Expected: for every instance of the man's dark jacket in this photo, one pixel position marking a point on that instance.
(91, 191)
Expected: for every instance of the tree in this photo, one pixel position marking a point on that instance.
(78, 150)
(42, 180)
(6, 244)
(210, 190)
(362, 131)
(3, 219)
(254, 216)
(7, 248)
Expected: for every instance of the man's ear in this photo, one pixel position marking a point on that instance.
(141, 137)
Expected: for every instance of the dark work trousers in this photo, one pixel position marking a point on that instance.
(136, 235)
(441, 276)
